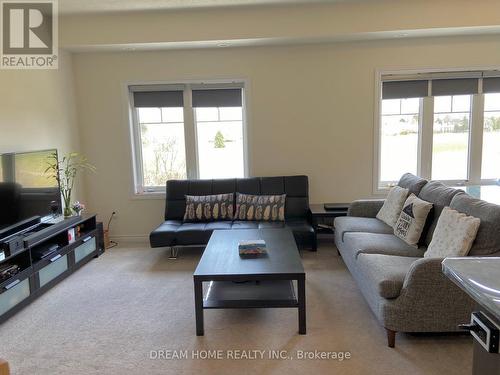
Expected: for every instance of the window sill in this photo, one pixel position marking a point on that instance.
(149, 195)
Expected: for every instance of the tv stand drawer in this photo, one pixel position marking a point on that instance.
(86, 248)
(15, 293)
(54, 269)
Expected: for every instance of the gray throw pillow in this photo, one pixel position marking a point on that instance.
(260, 207)
(209, 207)
(412, 220)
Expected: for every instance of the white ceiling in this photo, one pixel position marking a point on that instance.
(98, 6)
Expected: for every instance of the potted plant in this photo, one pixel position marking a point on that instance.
(65, 171)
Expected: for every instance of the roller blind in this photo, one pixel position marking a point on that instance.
(217, 98)
(464, 86)
(158, 99)
(404, 89)
(491, 85)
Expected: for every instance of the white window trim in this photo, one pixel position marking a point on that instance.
(424, 168)
(130, 115)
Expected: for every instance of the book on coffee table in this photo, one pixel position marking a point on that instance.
(252, 247)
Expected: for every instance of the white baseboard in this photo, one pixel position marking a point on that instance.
(134, 238)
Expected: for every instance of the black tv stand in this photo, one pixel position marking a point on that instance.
(47, 257)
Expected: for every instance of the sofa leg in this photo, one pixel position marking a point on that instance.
(173, 252)
(314, 245)
(391, 338)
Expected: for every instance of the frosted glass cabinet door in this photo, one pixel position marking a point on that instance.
(14, 295)
(85, 249)
(51, 271)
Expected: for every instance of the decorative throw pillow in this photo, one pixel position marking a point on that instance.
(389, 213)
(412, 220)
(260, 207)
(209, 207)
(454, 234)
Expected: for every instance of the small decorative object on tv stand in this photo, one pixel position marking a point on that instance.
(78, 208)
(65, 171)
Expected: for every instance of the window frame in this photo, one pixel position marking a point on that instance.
(424, 157)
(139, 191)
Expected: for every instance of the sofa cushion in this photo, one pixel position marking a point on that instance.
(376, 243)
(413, 183)
(237, 224)
(346, 224)
(165, 234)
(270, 224)
(384, 274)
(198, 233)
(440, 196)
(296, 189)
(393, 205)
(176, 232)
(488, 236)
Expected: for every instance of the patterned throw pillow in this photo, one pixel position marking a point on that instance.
(209, 207)
(260, 207)
(454, 234)
(390, 211)
(412, 219)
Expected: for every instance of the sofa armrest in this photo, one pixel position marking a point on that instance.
(426, 283)
(365, 207)
(424, 272)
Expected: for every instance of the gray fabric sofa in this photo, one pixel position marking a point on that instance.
(405, 291)
(175, 233)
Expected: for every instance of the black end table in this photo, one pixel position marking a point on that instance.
(322, 219)
(262, 282)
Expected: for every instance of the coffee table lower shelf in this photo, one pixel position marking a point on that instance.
(250, 294)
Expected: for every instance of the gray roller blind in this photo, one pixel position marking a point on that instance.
(217, 98)
(464, 86)
(491, 85)
(404, 89)
(158, 99)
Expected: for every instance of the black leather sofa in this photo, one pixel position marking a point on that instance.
(175, 233)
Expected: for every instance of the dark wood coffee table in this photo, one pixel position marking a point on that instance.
(263, 282)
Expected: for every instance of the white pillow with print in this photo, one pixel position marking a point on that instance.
(389, 213)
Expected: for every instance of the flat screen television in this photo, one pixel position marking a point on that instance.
(26, 191)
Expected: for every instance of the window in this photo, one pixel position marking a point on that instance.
(441, 126)
(186, 131)
(163, 155)
(491, 137)
(399, 137)
(219, 131)
(450, 145)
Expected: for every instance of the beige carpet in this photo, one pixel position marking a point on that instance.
(108, 317)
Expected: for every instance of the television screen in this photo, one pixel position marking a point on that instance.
(26, 190)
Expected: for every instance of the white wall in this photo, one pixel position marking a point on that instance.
(310, 111)
(38, 110)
